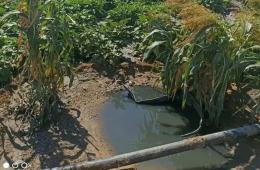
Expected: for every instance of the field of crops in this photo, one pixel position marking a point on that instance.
(205, 49)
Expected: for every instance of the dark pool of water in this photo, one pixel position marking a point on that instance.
(129, 127)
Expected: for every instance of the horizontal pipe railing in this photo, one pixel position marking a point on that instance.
(165, 150)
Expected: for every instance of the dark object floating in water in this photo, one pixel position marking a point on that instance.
(160, 99)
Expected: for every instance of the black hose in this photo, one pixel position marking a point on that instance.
(195, 131)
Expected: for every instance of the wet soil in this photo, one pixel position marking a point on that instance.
(76, 136)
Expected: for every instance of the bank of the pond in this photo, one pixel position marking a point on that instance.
(77, 135)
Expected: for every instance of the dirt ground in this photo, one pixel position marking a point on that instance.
(77, 135)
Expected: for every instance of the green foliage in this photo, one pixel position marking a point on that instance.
(255, 4)
(8, 43)
(251, 13)
(88, 12)
(97, 45)
(161, 43)
(204, 66)
(104, 28)
(50, 43)
(9, 52)
(127, 11)
(55, 43)
(40, 30)
(100, 29)
(2, 10)
(5, 73)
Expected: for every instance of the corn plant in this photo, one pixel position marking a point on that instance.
(44, 32)
(203, 67)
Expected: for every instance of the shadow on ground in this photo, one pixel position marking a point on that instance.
(58, 145)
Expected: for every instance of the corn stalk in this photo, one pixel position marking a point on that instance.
(204, 66)
(44, 32)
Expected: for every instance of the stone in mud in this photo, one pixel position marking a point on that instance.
(120, 77)
(131, 83)
(84, 67)
(108, 81)
(124, 65)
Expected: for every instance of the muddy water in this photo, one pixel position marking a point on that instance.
(129, 127)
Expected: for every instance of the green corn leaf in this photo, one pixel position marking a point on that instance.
(151, 48)
(248, 27)
(7, 15)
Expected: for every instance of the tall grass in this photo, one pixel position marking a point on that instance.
(251, 13)
(203, 67)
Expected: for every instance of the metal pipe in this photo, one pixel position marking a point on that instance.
(165, 150)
